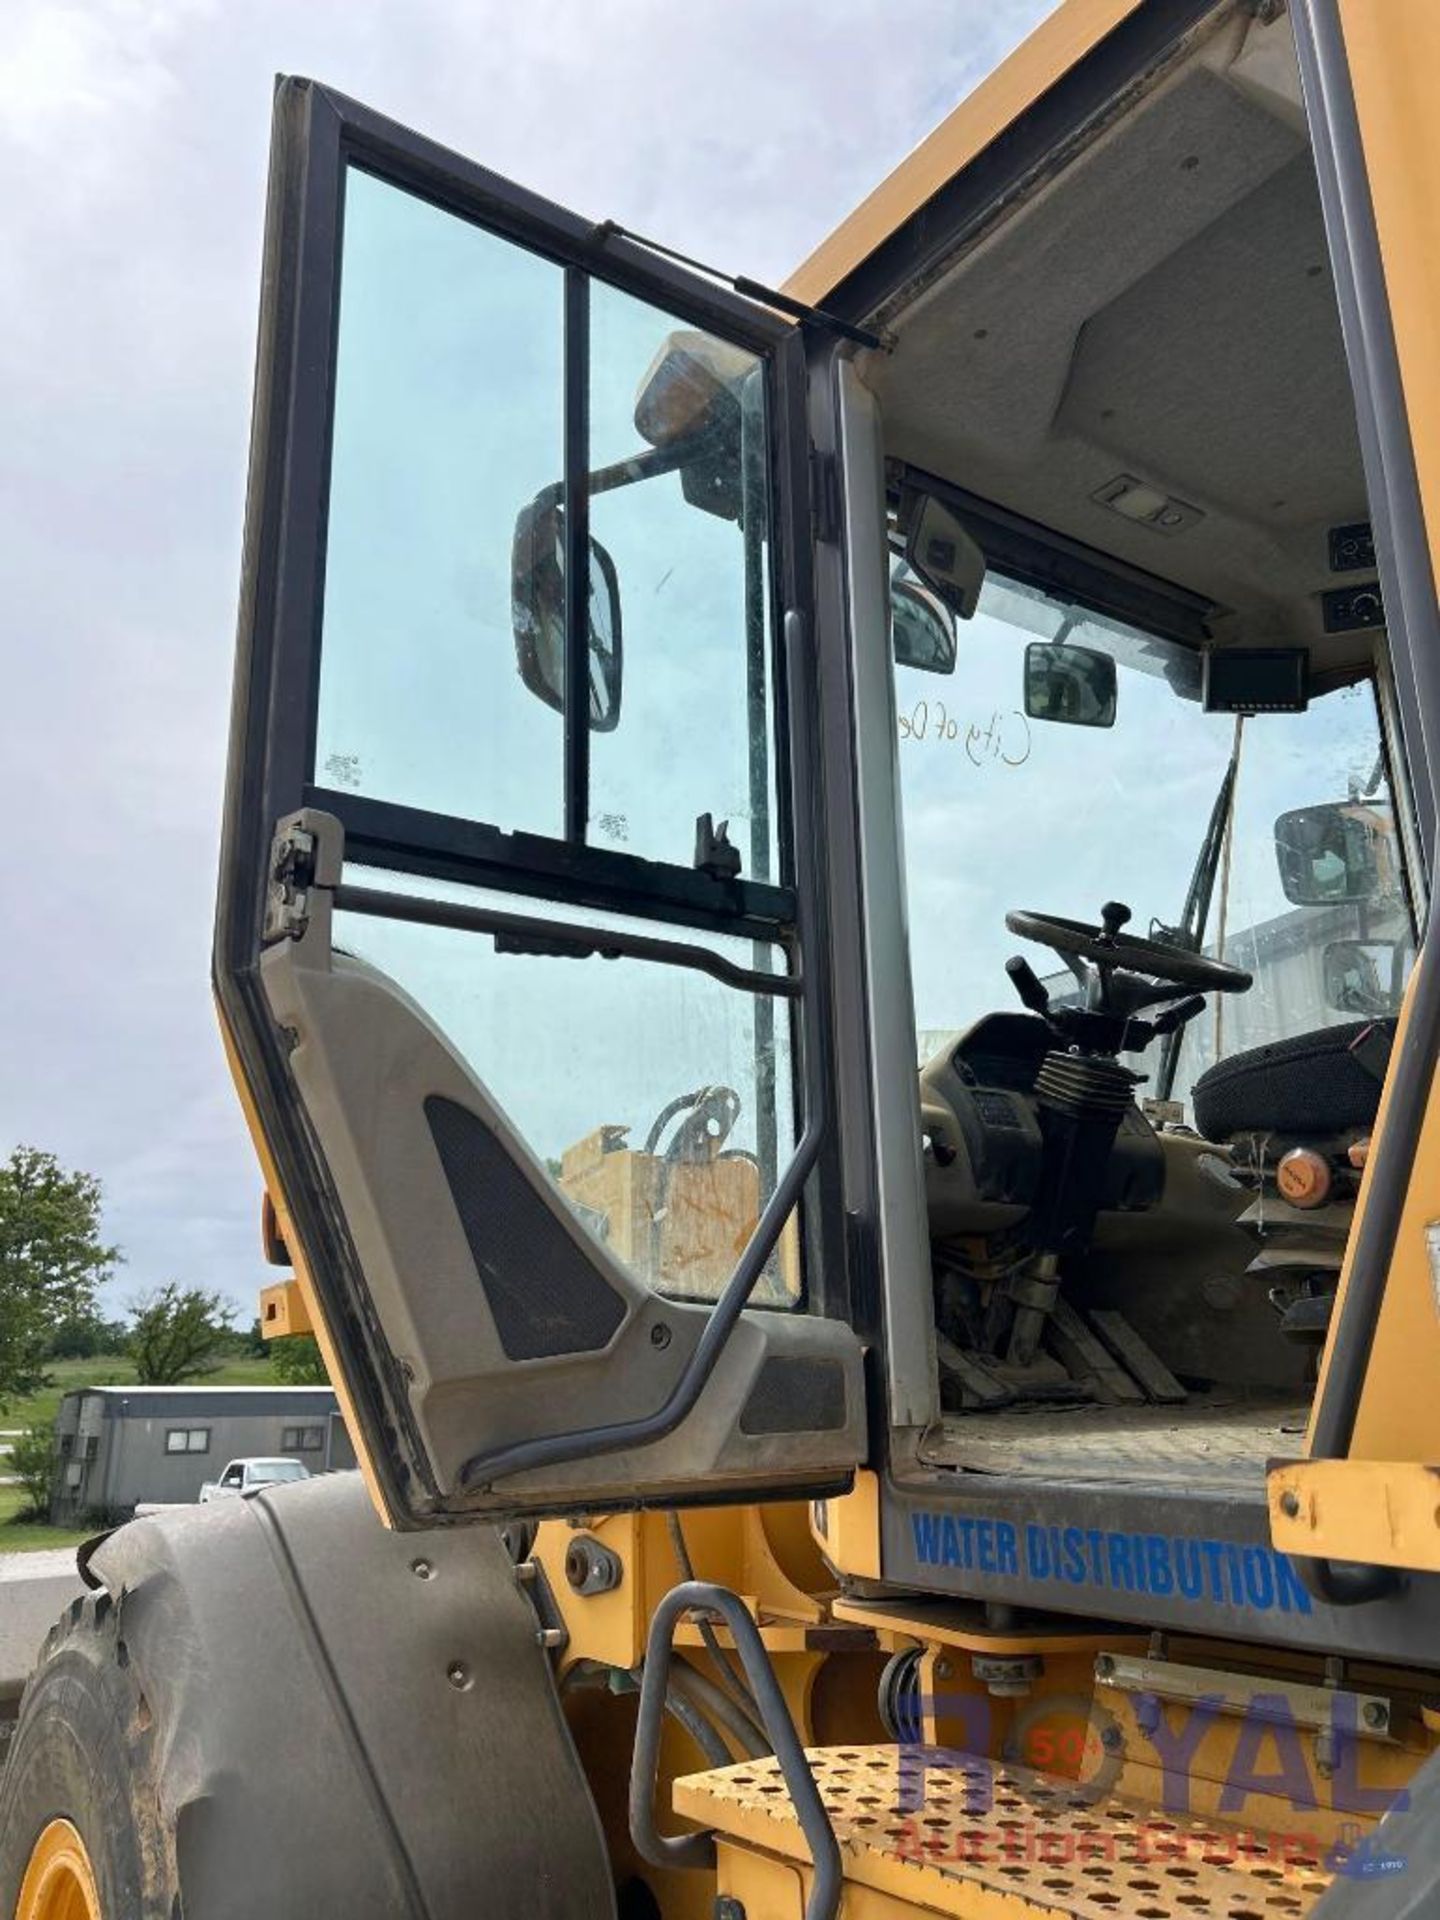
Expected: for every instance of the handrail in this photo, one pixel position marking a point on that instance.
(698, 1849)
(560, 939)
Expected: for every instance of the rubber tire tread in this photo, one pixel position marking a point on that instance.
(84, 1750)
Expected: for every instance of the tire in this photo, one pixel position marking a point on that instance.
(83, 1752)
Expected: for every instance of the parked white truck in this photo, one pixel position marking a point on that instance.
(252, 1471)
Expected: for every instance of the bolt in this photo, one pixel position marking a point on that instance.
(727, 1907)
(1111, 1739)
(1290, 1503)
(1377, 1714)
(422, 1569)
(459, 1676)
(659, 1334)
(549, 1637)
(1105, 1665)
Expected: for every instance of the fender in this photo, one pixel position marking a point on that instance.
(348, 1720)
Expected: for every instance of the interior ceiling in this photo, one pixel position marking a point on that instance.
(1162, 308)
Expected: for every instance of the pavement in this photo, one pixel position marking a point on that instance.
(35, 1589)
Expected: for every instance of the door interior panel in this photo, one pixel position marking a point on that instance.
(505, 1315)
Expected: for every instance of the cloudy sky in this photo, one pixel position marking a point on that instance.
(132, 170)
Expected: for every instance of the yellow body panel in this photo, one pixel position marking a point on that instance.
(1381, 1512)
(306, 1286)
(283, 1311)
(1055, 46)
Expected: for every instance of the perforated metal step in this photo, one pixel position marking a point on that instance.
(954, 1834)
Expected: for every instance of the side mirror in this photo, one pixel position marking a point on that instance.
(1074, 685)
(922, 628)
(1330, 854)
(537, 607)
(1366, 978)
(949, 562)
(692, 402)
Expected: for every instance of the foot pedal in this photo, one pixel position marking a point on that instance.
(1139, 1356)
(1088, 1358)
(1307, 1320)
(974, 1385)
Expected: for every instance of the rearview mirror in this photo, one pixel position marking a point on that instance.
(537, 604)
(949, 562)
(922, 628)
(1333, 853)
(1074, 685)
(1366, 977)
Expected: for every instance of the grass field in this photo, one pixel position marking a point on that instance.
(29, 1536)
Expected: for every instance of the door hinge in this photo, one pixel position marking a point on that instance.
(825, 496)
(292, 873)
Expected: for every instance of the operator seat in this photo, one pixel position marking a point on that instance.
(1314, 1085)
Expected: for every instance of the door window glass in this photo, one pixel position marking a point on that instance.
(692, 561)
(659, 1100)
(441, 680)
(449, 390)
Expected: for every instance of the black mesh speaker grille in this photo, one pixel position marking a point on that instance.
(795, 1395)
(545, 1296)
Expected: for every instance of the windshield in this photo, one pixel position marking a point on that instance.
(1002, 811)
(265, 1472)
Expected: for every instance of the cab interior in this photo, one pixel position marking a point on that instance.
(1167, 720)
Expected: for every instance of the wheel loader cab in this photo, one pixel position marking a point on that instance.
(823, 879)
(817, 912)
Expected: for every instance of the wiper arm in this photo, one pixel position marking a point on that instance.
(1195, 913)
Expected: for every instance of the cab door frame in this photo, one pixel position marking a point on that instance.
(317, 134)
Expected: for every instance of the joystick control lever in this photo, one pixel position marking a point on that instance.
(1028, 985)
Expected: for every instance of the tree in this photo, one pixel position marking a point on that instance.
(174, 1333)
(295, 1359)
(32, 1461)
(82, 1336)
(52, 1259)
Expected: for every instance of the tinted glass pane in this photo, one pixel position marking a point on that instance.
(449, 390)
(691, 559)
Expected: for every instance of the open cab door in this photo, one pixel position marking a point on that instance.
(534, 1051)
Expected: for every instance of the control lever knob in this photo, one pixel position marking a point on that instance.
(1113, 916)
(1027, 984)
(1177, 1015)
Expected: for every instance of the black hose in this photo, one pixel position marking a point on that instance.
(687, 1715)
(730, 1682)
(707, 1698)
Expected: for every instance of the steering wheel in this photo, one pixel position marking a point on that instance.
(1108, 948)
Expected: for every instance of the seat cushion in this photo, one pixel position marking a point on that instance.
(1311, 1084)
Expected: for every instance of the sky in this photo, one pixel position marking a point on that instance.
(133, 140)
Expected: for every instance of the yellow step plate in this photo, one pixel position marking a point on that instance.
(950, 1833)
